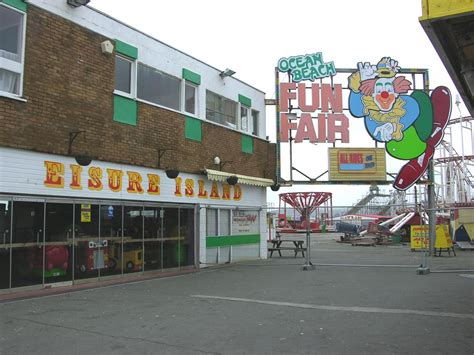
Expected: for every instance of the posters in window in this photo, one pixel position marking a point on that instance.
(245, 222)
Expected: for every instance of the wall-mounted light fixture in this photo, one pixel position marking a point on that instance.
(77, 3)
(226, 72)
(220, 163)
(82, 160)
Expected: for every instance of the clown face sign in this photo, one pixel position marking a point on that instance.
(410, 125)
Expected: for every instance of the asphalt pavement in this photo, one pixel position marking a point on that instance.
(358, 300)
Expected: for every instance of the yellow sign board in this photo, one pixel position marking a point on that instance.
(85, 216)
(357, 164)
(420, 239)
(85, 213)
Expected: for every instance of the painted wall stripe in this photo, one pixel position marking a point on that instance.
(191, 76)
(193, 129)
(17, 4)
(126, 49)
(247, 144)
(125, 110)
(221, 241)
(244, 100)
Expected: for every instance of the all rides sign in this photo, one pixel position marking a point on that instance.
(409, 122)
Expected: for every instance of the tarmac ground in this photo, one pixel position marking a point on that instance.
(357, 300)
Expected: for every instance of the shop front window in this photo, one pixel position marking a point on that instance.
(186, 221)
(211, 222)
(5, 227)
(224, 222)
(171, 237)
(90, 255)
(133, 239)
(153, 227)
(27, 243)
(58, 242)
(111, 235)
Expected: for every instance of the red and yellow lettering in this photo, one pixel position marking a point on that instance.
(177, 191)
(214, 191)
(202, 191)
(237, 193)
(115, 179)
(95, 175)
(189, 184)
(76, 171)
(134, 182)
(153, 184)
(225, 191)
(54, 174)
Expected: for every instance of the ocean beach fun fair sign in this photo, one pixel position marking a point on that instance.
(321, 118)
(408, 121)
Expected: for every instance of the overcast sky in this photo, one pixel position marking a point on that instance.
(250, 36)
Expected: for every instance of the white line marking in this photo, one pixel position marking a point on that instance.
(342, 308)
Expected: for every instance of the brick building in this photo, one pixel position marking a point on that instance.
(97, 118)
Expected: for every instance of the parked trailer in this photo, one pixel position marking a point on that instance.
(350, 230)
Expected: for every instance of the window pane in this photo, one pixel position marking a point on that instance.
(190, 99)
(221, 110)
(244, 113)
(211, 225)
(5, 224)
(132, 258)
(158, 87)
(255, 122)
(11, 34)
(9, 82)
(58, 242)
(224, 222)
(123, 70)
(27, 243)
(186, 222)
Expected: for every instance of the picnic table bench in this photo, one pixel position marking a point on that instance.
(297, 246)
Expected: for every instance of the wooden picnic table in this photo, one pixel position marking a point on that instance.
(297, 247)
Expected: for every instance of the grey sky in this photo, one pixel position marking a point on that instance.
(250, 36)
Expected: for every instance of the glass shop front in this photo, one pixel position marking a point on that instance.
(51, 241)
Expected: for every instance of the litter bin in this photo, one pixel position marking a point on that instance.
(396, 239)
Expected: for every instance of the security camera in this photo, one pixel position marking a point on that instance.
(217, 160)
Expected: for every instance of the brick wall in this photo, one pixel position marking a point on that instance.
(69, 83)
